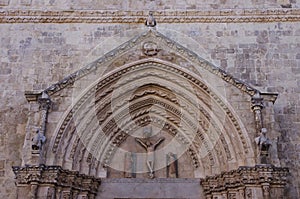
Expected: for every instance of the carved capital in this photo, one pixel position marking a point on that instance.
(44, 101)
(266, 189)
(257, 102)
(260, 177)
(55, 177)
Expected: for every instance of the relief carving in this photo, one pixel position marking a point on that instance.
(130, 165)
(263, 144)
(172, 168)
(150, 21)
(150, 48)
(86, 16)
(241, 178)
(232, 196)
(248, 193)
(54, 177)
(38, 140)
(150, 145)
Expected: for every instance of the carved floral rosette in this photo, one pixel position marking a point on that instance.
(246, 182)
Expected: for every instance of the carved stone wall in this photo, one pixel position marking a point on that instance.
(258, 45)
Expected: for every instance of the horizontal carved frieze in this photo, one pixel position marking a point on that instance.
(187, 16)
(55, 175)
(245, 176)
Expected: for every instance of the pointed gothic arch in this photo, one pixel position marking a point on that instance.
(152, 80)
(168, 75)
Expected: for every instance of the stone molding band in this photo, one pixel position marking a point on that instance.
(188, 16)
(54, 182)
(263, 179)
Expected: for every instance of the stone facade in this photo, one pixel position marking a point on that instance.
(249, 47)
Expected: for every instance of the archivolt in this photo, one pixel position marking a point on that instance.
(92, 124)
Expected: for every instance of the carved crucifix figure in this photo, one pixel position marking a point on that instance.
(150, 147)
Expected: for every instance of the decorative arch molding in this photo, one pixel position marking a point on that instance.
(159, 40)
(150, 80)
(91, 108)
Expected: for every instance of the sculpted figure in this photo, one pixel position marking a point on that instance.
(129, 165)
(263, 144)
(150, 147)
(38, 140)
(150, 21)
(172, 170)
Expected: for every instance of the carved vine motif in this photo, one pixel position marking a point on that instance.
(190, 16)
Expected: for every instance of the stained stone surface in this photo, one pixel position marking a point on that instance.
(150, 188)
(34, 56)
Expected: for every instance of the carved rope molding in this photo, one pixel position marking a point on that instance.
(187, 16)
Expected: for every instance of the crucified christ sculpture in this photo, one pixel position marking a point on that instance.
(150, 147)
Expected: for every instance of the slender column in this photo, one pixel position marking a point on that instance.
(45, 103)
(257, 106)
(33, 190)
(40, 138)
(263, 143)
(266, 190)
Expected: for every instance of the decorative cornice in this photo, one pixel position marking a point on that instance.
(32, 96)
(55, 175)
(181, 16)
(245, 176)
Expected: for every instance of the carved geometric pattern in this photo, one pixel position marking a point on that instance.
(103, 91)
(190, 16)
(246, 177)
(55, 176)
(153, 64)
